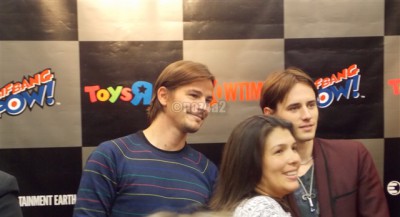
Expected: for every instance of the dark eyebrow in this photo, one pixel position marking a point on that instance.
(312, 101)
(293, 105)
(194, 90)
(209, 97)
(298, 104)
(278, 146)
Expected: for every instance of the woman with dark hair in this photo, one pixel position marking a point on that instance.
(326, 188)
(258, 169)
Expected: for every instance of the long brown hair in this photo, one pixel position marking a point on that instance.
(242, 160)
(278, 84)
(175, 75)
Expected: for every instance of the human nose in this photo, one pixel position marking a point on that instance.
(203, 105)
(294, 158)
(306, 113)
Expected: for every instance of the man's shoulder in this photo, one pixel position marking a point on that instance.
(193, 152)
(116, 146)
(8, 183)
(6, 178)
(134, 137)
(341, 147)
(201, 160)
(338, 143)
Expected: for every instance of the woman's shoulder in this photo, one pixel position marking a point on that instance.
(260, 206)
(259, 201)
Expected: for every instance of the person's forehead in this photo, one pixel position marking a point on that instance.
(299, 91)
(198, 84)
(279, 136)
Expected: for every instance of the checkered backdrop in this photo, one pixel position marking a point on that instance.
(77, 72)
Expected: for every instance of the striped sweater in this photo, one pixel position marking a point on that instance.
(130, 177)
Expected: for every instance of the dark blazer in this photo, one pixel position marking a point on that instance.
(9, 203)
(348, 183)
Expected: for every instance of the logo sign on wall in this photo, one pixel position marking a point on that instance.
(139, 92)
(344, 70)
(38, 89)
(329, 90)
(393, 188)
(395, 84)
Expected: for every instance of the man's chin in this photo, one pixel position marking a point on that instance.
(192, 129)
(305, 138)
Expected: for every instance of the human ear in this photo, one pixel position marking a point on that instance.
(162, 95)
(268, 111)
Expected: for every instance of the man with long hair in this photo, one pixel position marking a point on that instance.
(154, 169)
(336, 177)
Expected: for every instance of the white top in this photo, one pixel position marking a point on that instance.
(260, 206)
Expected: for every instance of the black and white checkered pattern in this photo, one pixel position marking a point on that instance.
(115, 43)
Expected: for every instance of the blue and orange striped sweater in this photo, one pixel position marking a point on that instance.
(130, 177)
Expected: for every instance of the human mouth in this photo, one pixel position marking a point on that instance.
(198, 115)
(307, 127)
(292, 175)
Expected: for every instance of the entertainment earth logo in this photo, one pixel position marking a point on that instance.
(393, 188)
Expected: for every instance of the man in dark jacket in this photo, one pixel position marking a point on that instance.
(9, 203)
(337, 178)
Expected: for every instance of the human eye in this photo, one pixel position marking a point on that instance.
(294, 147)
(193, 94)
(278, 151)
(293, 108)
(311, 105)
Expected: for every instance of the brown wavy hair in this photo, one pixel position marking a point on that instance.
(278, 84)
(175, 75)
